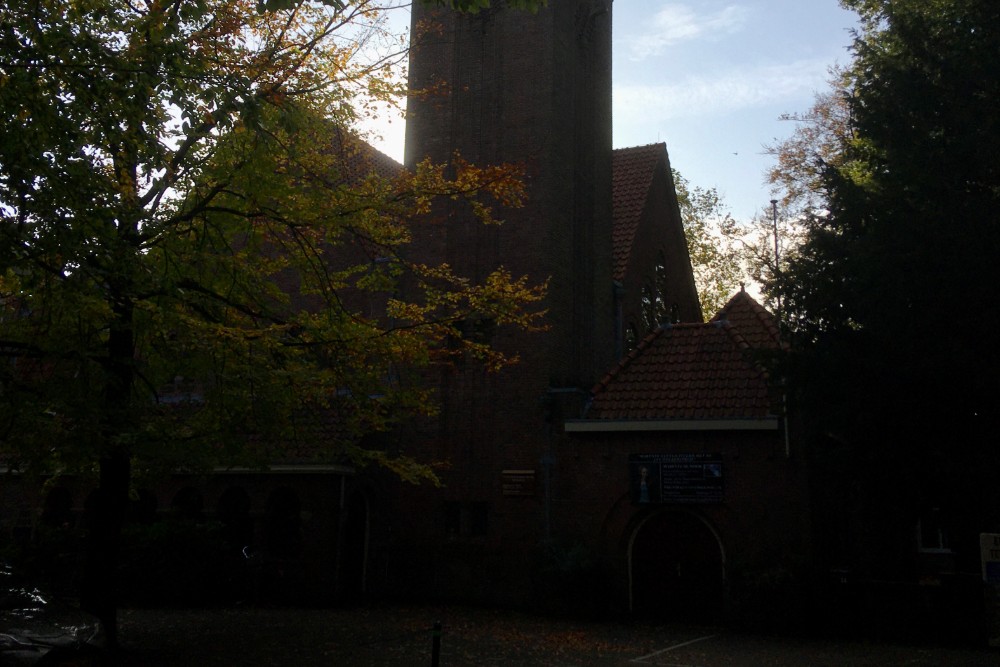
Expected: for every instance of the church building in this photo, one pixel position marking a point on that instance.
(539, 500)
(635, 460)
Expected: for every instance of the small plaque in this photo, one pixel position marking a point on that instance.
(518, 482)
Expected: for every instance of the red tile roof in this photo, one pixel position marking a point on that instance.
(753, 321)
(361, 159)
(685, 371)
(632, 172)
(694, 371)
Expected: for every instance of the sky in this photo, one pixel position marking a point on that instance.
(710, 78)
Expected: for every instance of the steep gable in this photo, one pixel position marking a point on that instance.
(632, 172)
(650, 261)
(758, 326)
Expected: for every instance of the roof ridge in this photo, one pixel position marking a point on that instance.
(656, 144)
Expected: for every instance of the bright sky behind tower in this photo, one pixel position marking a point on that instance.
(710, 78)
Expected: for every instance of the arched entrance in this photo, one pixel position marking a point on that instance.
(354, 550)
(676, 568)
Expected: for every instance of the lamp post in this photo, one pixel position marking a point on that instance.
(774, 226)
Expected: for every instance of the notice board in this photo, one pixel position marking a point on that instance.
(676, 478)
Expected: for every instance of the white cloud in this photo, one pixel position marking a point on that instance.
(678, 23)
(727, 92)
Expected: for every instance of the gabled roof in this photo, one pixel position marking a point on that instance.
(632, 172)
(753, 321)
(360, 159)
(685, 372)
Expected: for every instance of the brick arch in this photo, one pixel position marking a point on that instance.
(676, 565)
(354, 535)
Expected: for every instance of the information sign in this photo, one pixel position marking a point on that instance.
(676, 478)
(518, 482)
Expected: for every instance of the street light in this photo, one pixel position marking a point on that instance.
(774, 225)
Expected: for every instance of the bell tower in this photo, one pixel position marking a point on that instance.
(506, 86)
(533, 89)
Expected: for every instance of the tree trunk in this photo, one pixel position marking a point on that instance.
(100, 592)
(100, 595)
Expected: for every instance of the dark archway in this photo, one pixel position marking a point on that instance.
(677, 569)
(283, 525)
(188, 505)
(233, 511)
(57, 511)
(143, 507)
(354, 550)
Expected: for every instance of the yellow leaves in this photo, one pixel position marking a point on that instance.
(475, 186)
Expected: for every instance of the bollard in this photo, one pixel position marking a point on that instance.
(436, 645)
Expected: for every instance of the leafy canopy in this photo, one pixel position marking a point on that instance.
(707, 229)
(890, 295)
(199, 262)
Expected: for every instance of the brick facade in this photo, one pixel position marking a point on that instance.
(534, 90)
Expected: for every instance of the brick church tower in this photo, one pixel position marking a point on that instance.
(531, 89)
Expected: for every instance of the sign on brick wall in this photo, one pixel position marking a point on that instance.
(518, 482)
(676, 478)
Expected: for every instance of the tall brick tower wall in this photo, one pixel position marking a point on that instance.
(532, 89)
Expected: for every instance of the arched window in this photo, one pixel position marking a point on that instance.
(653, 305)
(283, 524)
(663, 312)
(648, 308)
(631, 338)
(233, 511)
(188, 504)
(142, 508)
(58, 509)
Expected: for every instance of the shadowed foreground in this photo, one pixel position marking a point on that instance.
(474, 637)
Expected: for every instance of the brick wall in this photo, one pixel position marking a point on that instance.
(533, 89)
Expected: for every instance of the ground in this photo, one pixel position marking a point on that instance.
(403, 636)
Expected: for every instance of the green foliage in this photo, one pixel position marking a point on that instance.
(195, 270)
(200, 265)
(816, 145)
(708, 228)
(890, 295)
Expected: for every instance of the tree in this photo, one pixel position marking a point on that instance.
(709, 231)
(888, 295)
(817, 144)
(189, 254)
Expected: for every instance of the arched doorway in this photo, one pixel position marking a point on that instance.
(676, 568)
(354, 548)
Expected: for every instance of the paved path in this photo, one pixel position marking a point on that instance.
(742, 650)
(398, 636)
